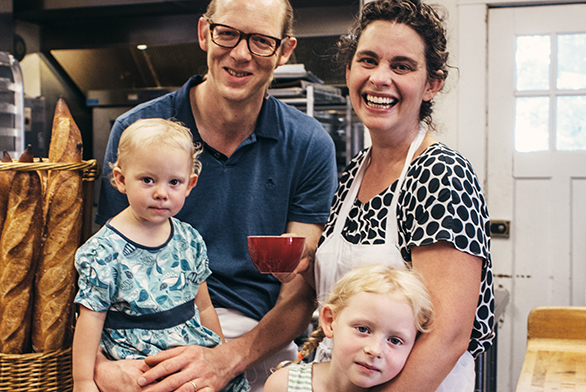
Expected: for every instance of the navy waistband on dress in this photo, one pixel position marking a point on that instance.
(160, 320)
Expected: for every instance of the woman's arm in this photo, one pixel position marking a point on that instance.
(453, 280)
(207, 312)
(86, 341)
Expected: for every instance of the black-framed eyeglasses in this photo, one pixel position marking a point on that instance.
(258, 44)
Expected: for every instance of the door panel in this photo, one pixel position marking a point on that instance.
(542, 190)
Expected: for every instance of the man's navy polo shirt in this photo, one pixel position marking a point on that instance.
(284, 171)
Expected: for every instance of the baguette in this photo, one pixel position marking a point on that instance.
(5, 181)
(20, 245)
(55, 282)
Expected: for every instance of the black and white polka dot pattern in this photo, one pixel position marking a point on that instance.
(441, 201)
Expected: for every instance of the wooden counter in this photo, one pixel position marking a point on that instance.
(556, 350)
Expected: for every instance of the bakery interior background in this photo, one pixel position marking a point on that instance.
(73, 49)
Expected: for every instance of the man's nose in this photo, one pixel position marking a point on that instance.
(241, 51)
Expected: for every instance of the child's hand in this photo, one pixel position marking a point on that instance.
(85, 386)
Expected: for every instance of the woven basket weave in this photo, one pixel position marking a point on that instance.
(47, 372)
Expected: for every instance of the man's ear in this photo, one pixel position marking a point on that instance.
(191, 183)
(202, 33)
(119, 180)
(287, 50)
(326, 321)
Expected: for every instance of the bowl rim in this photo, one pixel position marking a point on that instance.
(274, 236)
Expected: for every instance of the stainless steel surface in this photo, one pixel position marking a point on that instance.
(36, 131)
(11, 106)
(124, 97)
(94, 41)
(6, 27)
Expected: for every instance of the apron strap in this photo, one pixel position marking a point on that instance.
(391, 229)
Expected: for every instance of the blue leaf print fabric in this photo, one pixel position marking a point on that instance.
(119, 275)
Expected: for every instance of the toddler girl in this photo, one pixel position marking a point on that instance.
(142, 277)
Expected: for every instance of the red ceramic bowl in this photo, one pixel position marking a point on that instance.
(275, 253)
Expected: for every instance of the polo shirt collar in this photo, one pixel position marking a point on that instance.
(267, 121)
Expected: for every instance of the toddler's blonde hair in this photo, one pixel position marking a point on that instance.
(155, 133)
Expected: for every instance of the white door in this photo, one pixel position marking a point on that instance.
(536, 171)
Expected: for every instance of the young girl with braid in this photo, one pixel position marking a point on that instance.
(375, 313)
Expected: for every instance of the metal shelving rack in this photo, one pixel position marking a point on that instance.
(12, 135)
(333, 110)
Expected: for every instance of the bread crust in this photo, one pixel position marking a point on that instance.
(20, 244)
(55, 282)
(5, 183)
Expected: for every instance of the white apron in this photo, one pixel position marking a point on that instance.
(336, 256)
(234, 324)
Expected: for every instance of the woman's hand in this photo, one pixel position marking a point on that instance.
(302, 267)
(312, 233)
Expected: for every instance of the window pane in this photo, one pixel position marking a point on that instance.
(532, 61)
(532, 124)
(571, 61)
(571, 123)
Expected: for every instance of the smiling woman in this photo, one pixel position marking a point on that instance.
(388, 83)
(409, 201)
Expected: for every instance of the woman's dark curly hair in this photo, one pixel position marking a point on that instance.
(423, 18)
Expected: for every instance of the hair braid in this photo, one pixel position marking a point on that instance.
(312, 342)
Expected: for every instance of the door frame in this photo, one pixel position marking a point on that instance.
(472, 122)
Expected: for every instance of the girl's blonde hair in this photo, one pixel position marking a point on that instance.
(154, 133)
(404, 285)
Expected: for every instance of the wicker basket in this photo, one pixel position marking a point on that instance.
(48, 371)
(45, 372)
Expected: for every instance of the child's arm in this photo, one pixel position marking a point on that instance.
(86, 342)
(207, 312)
(278, 381)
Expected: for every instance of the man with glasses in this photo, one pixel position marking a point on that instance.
(267, 169)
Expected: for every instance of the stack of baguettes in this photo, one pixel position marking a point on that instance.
(40, 226)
